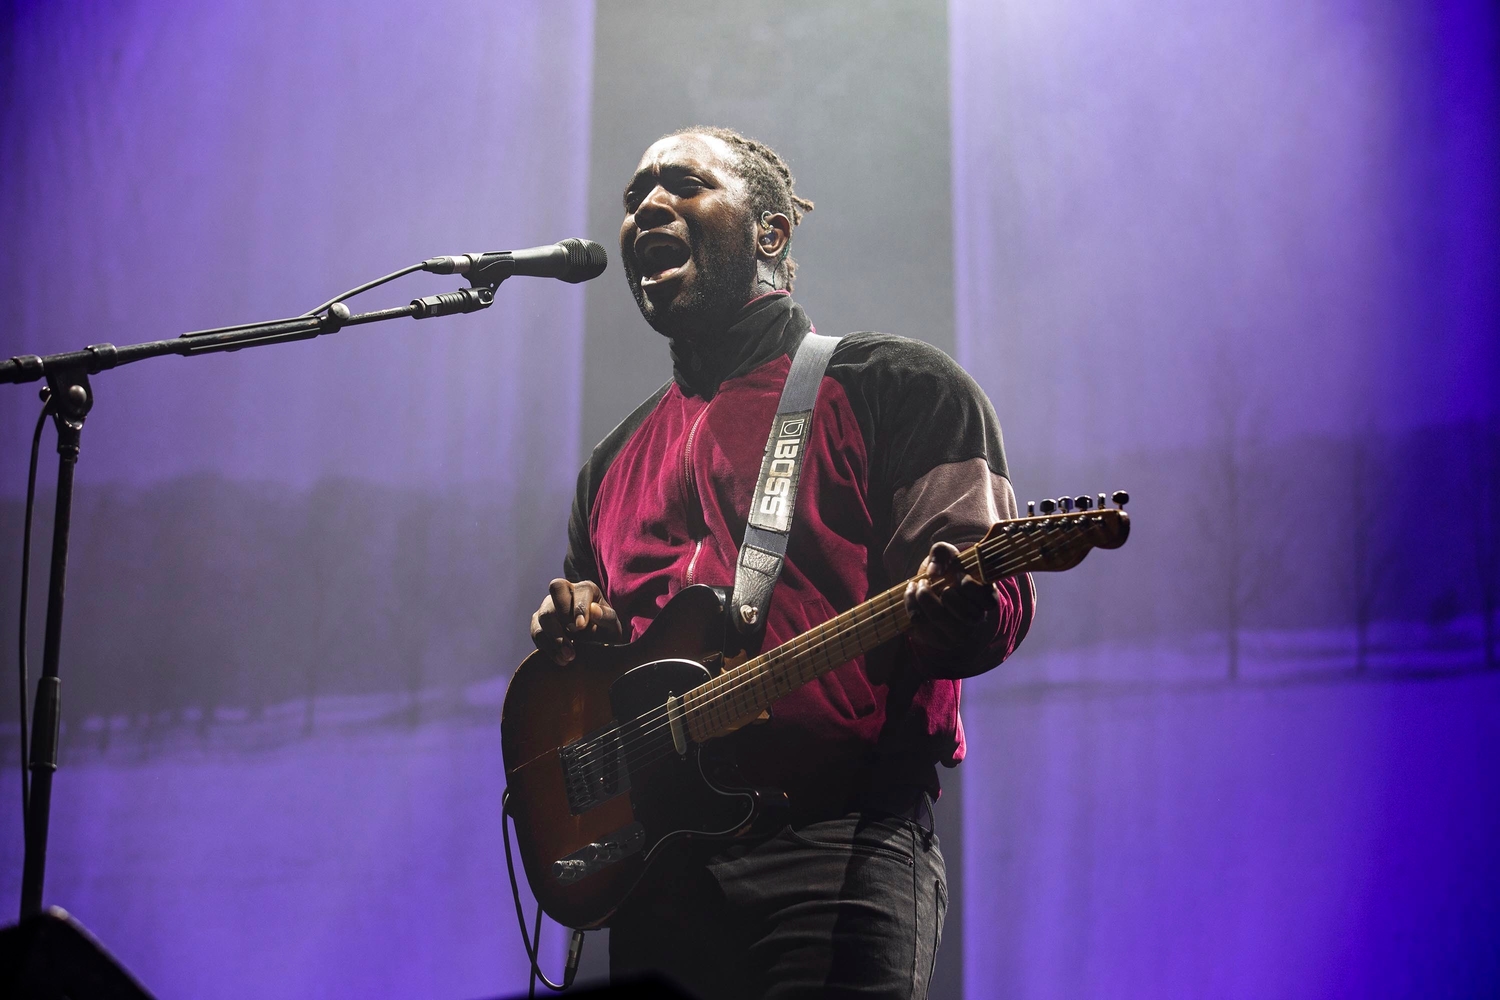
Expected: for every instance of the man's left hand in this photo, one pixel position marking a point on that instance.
(951, 610)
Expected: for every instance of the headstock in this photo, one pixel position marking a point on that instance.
(1056, 539)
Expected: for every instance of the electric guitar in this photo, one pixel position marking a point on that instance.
(610, 757)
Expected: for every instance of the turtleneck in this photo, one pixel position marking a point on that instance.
(766, 327)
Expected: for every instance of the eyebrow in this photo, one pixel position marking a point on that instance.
(677, 169)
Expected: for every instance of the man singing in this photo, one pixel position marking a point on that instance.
(904, 465)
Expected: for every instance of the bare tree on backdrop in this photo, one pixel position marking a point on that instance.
(1242, 532)
(1372, 555)
(333, 544)
(411, 613)
(186, 637)
(316, 572)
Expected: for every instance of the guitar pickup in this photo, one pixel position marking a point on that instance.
(594, 769)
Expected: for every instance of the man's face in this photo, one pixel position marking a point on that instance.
(688, 241)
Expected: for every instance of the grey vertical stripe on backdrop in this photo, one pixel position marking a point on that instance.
(855, 97)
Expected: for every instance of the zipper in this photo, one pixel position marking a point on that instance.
(690, 492)
(687, 455)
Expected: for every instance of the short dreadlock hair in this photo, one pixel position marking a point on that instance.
(772, 188)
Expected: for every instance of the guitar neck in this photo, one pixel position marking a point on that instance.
(739, 695)
(1019, 545)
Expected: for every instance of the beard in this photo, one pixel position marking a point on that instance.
(722, 280)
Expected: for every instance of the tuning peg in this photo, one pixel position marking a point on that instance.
(1048, 506)
(1121, 498)
(1064, 504)
(1103, 501)
(1083, 502)
(1031, 508)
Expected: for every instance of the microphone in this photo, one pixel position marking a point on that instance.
(571, 260)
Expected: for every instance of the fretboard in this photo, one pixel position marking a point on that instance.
(739, 695)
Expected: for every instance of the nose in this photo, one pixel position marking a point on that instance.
(655, 209)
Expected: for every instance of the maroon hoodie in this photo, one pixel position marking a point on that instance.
(905, 451)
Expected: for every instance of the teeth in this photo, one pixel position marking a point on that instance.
(661, 275)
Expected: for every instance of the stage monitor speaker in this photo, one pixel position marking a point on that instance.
(51, 957)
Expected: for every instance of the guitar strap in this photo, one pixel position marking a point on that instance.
(770, 525)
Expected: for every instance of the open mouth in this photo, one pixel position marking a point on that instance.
(660, 257)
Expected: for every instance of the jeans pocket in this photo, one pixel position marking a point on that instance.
(939, 913)
(888, 838)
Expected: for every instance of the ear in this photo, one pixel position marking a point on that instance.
(773, 232)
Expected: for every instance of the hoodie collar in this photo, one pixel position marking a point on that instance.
(767, 327)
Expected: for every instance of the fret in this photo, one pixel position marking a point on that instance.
(718, 717)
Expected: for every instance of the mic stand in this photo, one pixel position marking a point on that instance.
(71, 398)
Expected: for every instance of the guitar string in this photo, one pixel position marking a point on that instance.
(663, 750)
(656, 721)
(635, 741)
(644, 758)
(1024, 547)
(751, 672)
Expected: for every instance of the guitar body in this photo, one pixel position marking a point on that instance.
(597, 796)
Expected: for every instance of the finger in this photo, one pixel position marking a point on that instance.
(606, 623)
(547, 621)
(970, 601)
(910, 597)
(561, 592)
(941, 626)
(588, 606)
(943, 562)
(561, 651)
(558, 648)
(944, 557)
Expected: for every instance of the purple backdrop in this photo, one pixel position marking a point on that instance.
(1242, 260)
(298, 570)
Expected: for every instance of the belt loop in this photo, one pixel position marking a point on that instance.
(921, 814)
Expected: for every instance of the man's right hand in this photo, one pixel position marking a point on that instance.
(571, 613)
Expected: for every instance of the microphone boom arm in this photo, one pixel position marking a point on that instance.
(68, 383)
(101, 357)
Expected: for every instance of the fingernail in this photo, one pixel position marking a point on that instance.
(582, 621)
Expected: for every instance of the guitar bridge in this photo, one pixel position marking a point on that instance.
(594, 769)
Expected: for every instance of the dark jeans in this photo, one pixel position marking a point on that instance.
(847, 907)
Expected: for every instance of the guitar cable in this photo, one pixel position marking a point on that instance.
(36, 445)
(533, 942)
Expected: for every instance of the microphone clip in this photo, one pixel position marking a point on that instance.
(465, 300)
(479, 268)
(488, 273)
